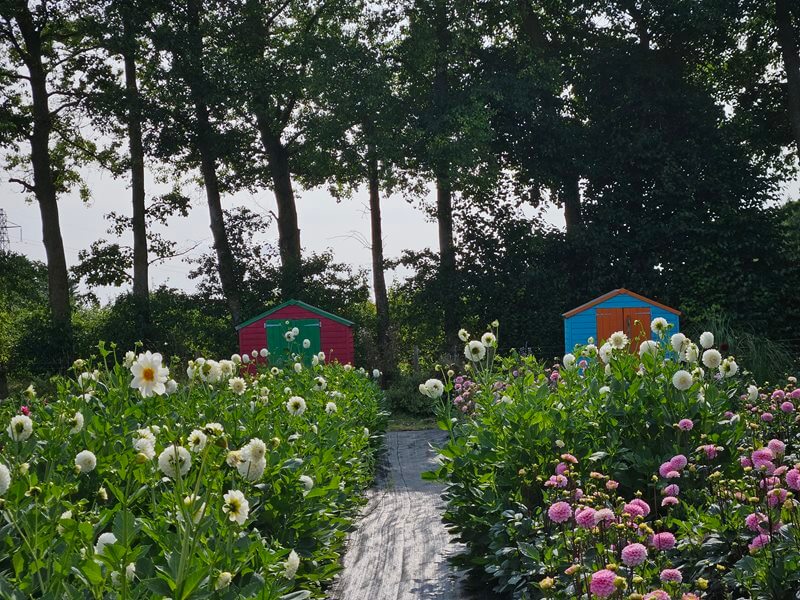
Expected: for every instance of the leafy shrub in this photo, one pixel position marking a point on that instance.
(403, 396)
(224, 486)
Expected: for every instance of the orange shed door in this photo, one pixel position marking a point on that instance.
(637, 326)
(609, 320)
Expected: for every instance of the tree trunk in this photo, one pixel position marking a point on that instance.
(378, 275)
(141, 289)
(444, 191)
(791, 64)
(205, 145)
(3, 381)
(44, 185)
(572, 205)
(288, 230)
(447, 259)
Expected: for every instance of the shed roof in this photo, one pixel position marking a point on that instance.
(301, 304)
(613, 293)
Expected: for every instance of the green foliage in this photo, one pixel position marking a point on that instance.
(315, 465)
(766, 359)
(620, 420)
(403, 396)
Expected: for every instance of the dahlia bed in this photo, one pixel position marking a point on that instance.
(663, 473)
(238, 480)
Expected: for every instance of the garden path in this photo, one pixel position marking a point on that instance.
(400, 547)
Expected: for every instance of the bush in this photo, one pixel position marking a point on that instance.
(551, 473)
(403, 396)
(107, 493)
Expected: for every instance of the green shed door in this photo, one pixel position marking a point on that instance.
(280, 349)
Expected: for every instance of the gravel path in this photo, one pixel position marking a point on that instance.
(400, 548)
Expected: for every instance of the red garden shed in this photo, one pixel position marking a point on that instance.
(324, 331)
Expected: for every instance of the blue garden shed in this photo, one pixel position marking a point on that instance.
(618, 310)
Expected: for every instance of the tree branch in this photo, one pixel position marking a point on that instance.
(159, 259)
(275, 15)
(28, 187)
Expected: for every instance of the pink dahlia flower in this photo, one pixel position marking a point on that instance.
(754, 521)
(673, 575)
(663, 541)
(678, 462)
(671, 490)
(685, 425)
(603, 516)
(762, 457)
(633, 510)
(585, 517)
(602, 583)
(761, 540)
(634, 554)
(778, 447)
(559, 512)
(776, 497)
(710, 451)
(793, 479)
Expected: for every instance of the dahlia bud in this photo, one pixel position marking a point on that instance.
(547, 583)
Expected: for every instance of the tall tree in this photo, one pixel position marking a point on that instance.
(193, 91)
(362, 145)
(282, 53)
(450, 138)
(787, 24)
(133, 101)
(39, 46)
(118, 112)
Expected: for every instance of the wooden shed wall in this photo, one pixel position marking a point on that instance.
(336, 339)
(580, 327)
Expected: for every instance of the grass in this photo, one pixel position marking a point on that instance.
(401, 421)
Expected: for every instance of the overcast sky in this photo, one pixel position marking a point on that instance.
(323, 224)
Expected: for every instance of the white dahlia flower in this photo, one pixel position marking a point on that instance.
(475, 351)
(682, 380)
(20, 428)
(236, 506)
(76, 423)
(197, 441)
(659, 326)
(712, 358)
(706, 339)
(85, 461)
(149, 376)
(296, 406)
(174, 461)
(292, 564)
(105, 539)
(618, 340)
(237, 385)
(5, 478)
